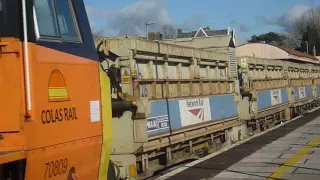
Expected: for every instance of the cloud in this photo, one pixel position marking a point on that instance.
(90, 12)
(287, 19)
(132, 18)
(93, 15)
(244, 28)
(233, 22)
(93, 12)
(193, 23)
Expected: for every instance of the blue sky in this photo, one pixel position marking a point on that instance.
(248, 17)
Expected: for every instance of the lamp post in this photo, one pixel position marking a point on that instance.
(148, 24)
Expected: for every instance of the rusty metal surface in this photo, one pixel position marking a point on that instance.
(221, 162)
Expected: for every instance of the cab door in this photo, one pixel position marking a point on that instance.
(65, 93)
(65, 74)
(11, 69)
(11, 85)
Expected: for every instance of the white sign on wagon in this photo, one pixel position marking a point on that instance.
(157, 123)
(276, 97)
(193, 111)
(302, 92)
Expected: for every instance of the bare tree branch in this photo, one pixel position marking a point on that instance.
(97, 33)
(306, 28)
(168, 31)
(132, 30)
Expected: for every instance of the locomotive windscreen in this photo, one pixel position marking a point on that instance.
(10, 14)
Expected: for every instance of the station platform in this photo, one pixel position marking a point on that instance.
(289, 151)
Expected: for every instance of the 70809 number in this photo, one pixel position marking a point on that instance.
(55, 168)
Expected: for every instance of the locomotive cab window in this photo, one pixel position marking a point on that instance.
(55, 20)
(9, 18)
(1, 10)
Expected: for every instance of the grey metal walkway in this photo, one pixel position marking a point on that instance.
(294, 156)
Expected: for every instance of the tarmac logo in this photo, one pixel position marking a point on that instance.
(302, 93)
(194, 111)
(57, 89)
(276, 97)
(198, 113)
(196, 107)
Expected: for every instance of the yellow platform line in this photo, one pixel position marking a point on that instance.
(280, 171)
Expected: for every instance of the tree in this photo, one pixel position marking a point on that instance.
(306, 31)
(132, 30)
(154, 36)
(270, 38)
(97, 33)
(168, 31)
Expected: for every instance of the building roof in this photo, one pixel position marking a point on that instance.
(298, 53)
(268, 51)
(216, 32)
(187, 34)
(203, 32)
(205, 38)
